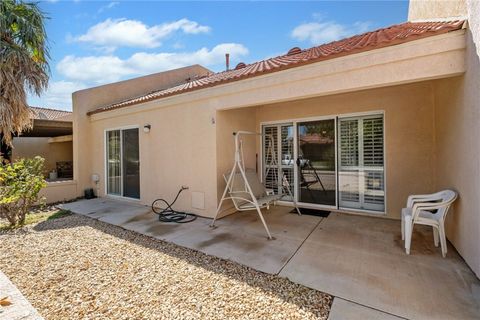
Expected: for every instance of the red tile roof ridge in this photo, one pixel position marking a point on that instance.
(51, 109)
(50, 114)
(376, 39)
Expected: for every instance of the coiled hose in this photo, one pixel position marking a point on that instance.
(166, 213)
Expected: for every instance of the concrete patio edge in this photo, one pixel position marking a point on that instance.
(20, 307)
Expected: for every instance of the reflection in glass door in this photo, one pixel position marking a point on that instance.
(123, 163)
(131, 164)
(316, 167)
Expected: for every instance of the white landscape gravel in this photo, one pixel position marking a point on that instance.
(75, 267)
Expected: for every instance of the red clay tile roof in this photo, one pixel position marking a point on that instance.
(393, 35)
(50, 114)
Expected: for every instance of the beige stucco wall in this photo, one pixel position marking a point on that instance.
(184, 147)
(59, 191)
(409, 134)
(428, 9)
(473, 8)
(431, 131)
(179, 150)
(228, 122)
(457, 119)
(458, 155)
(188, 144)
(90, 99)
(27, 147)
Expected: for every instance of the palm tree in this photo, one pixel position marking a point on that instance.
(23, 64)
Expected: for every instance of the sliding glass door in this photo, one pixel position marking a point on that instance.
(330, 163)
(114, 168)
(361, 163)
(123, 163)
(316, 178)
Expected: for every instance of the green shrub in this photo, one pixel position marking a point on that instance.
(20, 183)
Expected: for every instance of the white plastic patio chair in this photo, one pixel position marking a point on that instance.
(430, 210)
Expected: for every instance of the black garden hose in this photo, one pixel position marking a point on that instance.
(168, 214)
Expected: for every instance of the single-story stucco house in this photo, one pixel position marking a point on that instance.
(378, 116)
(51, 138)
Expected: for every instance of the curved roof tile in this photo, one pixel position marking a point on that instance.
(384, 37)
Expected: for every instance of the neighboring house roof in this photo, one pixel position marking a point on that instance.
(315, 138)
(380, 38)
(49, 123)
(39, 113)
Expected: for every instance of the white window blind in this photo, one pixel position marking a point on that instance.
(286, 157)
(373, 142)
(361, 171)
(278, 156)
(270, 164)
(349, 143)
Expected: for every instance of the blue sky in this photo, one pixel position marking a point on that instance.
(97, 42)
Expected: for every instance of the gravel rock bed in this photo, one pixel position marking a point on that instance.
(79, 268)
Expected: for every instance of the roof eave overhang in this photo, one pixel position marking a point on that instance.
(48, 128)
(424, 59)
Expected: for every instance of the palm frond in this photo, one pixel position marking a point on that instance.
(23, 63)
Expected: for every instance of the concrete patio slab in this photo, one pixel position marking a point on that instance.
(20, 309)
(111, 211)
(250, 248)
(362, 259)
(356, 258)
(239, 237)
(347, 310)
(228, 240)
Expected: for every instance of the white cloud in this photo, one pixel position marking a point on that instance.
(99, 69)
(108, 6)
(110, 68)
(147, 62)
(58, 95)
(132, 33)
(326, 31)
(178, 45)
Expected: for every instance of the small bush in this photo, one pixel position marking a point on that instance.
(20, 183)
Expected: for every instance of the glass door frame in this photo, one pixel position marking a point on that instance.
(296, 174)
(105, 162)
(296, 170)
(296, 190)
